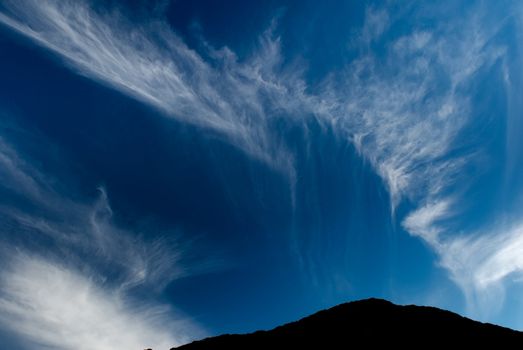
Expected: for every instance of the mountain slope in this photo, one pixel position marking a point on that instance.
(370, 321)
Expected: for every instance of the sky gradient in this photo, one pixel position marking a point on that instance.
(177, 169)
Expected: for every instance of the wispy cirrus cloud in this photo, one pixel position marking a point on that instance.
(149, 62)
(408, 111)
(404, 109)
(480, 263)
(69, 272)
(86, 228)
(415, 113)
(57, 306)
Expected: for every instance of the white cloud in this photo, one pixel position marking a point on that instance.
(56, 289)
(60, 308)
(482, 260)
(149, 62)
(403, 111)
(13, 173)
(421, 222)
(88, 227)
(375, 23)
(401, 116)
(479, 262)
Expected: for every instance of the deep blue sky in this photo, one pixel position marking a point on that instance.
(178, 169)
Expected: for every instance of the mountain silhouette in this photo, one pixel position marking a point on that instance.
(366, 323)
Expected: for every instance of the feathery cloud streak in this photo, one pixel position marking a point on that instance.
(57, 256)
(403, 111)
(415, 106)
(152, 64)
(479, 262)
(58, 307)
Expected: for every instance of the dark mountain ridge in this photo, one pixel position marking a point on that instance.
(368, 322)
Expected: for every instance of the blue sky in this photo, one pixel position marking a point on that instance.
(178, 169)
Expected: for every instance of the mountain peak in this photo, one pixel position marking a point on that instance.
(371, 321)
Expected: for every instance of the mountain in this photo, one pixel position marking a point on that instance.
(368, 322)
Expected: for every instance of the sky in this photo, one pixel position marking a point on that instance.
(171, 170)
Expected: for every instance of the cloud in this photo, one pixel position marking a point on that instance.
(13, 174)
(58, 307)
(408, 111)
(405, 110)
(493, 256)
(84, 227)
(479, 262)
(411, 130)
(237, 100)
(69, 272)
(421, 222)
(375, 24)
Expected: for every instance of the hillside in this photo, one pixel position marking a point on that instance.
(370, 321)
